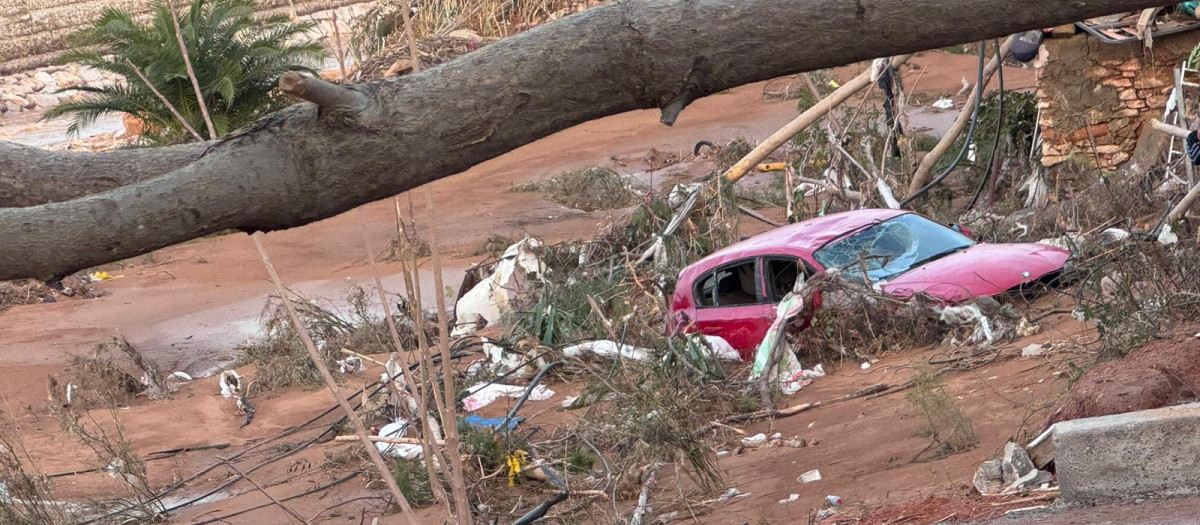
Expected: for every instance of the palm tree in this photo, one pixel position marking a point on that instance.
(237, 59)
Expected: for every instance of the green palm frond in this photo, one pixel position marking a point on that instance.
(238, 60)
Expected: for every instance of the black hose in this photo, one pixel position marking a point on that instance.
(528, 390)
(887, 84)
(540, 511)
(970, 134)
(987, 175)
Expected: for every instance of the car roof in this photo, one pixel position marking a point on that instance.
(803, 237)
(811, 234)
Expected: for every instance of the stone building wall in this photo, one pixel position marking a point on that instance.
(1095, 98)
(34, 32)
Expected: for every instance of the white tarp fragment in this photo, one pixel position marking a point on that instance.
(719, 347)
(482, 305)
(484, 394)
(791, 375)
(606, 348)
(231, 384)
(398, 450)
(1167, 236)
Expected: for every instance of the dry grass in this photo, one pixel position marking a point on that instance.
(281, 359)
(588, 189)
(25, 494)
(944, 423)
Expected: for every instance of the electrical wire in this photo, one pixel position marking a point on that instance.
(987, 175)
(970, 134)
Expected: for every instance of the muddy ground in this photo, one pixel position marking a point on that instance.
(189, 306)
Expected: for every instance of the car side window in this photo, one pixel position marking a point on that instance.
(781, 276)
(732, 285)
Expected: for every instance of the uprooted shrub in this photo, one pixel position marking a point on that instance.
(1135, 291)
(25, 494)
(949, 429)
(281, 359)
(856, 319)
(102, 378)
(589, 189)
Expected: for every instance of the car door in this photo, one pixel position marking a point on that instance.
(731, 302)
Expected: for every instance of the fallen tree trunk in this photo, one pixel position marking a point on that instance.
(304, 164)
(30, 176)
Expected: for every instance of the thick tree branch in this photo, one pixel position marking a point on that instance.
(301, 165)
(322, 93)
(30, 176)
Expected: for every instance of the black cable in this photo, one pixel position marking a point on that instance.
(970, 134)
(529, 390)
(887, 85)
(987, 175)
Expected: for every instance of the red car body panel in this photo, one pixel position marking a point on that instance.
(980, 270)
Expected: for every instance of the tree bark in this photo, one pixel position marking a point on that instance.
(303, 164)
(30, 176)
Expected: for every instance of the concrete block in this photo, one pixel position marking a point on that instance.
(1146, 453)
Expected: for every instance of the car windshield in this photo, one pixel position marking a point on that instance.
(889, 248)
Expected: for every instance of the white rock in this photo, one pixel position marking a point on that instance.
(48, 82)
(810, 476)
(43, 100)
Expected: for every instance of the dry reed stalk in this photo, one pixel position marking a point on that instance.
(327, 378)
(430, 453)
(415, 53)
(212, 131)
(167, 103)
(449, 421)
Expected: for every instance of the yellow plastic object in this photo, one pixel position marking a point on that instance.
(100, 276)
(772, 166)
(514, 465)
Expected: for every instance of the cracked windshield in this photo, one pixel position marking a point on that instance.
(891, 247)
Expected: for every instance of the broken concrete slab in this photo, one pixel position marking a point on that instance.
(1016, 463)
(1146, 453)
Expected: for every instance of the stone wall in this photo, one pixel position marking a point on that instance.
(1096, 98)
(34, 32)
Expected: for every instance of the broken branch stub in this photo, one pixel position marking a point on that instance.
(325, 94)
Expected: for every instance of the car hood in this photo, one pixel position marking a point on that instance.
(981, 270)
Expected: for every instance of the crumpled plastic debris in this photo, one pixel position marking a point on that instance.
(399, 450)
(606, 348)
(500, 361)
(756, 440)
(944, 103)
(789, 499)
(483, 394)
(792, 375)
(811, 476)
(351, 365)
(231, 384)
(971, 313)
(1167, 236)
(481, 306)
(719, 346)
(476, 420)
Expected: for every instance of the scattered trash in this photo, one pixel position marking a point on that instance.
(961, 315)
(483, 394)
(835, 501)
(500, 361)
(810, 476)
(351, 365)
(795, 443)
(944, 103)
(730, 494)
(231, 384)
(1034, 350)
(476, 420)
(99, 276)
(399, 450)
(606, 348)
(756, 440)
(790, 499)
(791, 374)
(1167, 236)
(865, 365)
(569, 401)
(719, 347)
(481, 306)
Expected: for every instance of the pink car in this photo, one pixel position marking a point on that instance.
(733, 292)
